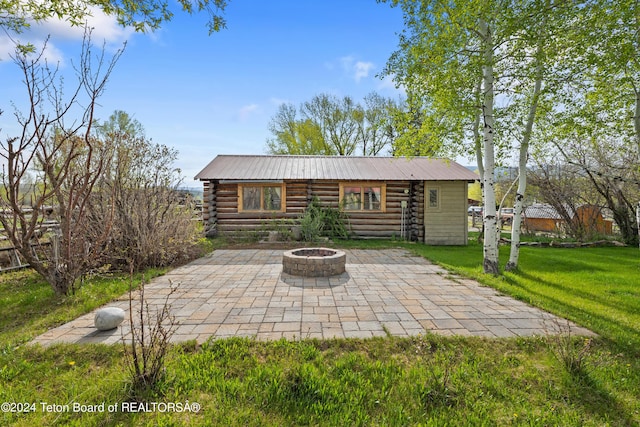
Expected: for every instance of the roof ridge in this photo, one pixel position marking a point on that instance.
(331, 156)
(323, 167)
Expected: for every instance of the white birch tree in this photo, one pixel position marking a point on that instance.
(534, 37)
(483, 65)
(448, 56)
(487, 47)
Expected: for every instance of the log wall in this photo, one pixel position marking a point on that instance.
(220, 209)
(209, 213)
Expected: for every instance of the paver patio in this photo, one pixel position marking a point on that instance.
(245, 293)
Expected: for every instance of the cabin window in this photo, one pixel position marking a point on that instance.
(434, 198)
(363, 196)
(260, 198)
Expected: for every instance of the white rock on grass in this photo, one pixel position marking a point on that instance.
(108, 318)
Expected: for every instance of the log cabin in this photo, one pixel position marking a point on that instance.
(420, 199)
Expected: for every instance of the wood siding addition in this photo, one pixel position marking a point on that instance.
(446, 223)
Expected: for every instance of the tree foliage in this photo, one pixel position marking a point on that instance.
(597, 126)
(489, 72)
(142, 15)
(328, 125)
(296, 136)
(447, 59)
(336, 119)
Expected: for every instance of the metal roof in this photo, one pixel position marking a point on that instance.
(540, 210)
(335, 168)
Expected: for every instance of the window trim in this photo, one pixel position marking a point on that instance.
(362, 185)
(262, 185)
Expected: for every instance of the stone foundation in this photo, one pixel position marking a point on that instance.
(314, 262)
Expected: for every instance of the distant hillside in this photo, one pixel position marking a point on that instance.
(502, 173)
(195, 192)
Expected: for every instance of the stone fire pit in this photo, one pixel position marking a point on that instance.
(314, 262)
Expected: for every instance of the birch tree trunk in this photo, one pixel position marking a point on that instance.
(490, 246)
(477, 142)
(516, 224)
(636, 119)
(636, 128)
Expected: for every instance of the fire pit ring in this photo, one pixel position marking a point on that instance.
(314, 262)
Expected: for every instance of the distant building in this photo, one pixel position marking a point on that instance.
(545, 218)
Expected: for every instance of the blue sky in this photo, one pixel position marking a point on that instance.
(208, 95)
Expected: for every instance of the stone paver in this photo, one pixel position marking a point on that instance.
(245, 293)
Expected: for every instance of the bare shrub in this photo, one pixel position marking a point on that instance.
(51, 168)
(151, 332)
(152, 225)
(570, 350)
(438, 390)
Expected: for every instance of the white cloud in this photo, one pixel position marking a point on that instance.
(7, 47)
(51, 53)
(246, 111)
(356, 69)
(104, 29)
(362, 70)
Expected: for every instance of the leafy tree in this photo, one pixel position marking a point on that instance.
(479, 69)
(296, 136)
(414, 132)
(610, 64)
(336, 119)
(142, 15)
(447, 59)
(594, 121)
(327, 125)
(598, 128)
(374, 121)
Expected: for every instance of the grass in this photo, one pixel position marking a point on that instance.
(596, 287)
(29, 306)
(424, 380)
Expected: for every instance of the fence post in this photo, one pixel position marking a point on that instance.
(55, 246)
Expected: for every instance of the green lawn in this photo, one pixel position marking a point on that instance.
(596, 287)
(426, 380)
(29, 307)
